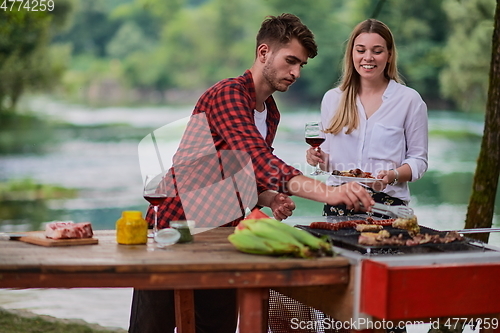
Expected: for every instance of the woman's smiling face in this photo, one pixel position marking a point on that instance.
(370, 55)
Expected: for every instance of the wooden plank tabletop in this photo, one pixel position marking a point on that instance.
(204, 262)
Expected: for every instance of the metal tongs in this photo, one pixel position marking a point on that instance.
(474, 230)
(400, 211)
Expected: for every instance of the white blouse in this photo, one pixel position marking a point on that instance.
(397, 133)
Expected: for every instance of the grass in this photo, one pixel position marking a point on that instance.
(455, 135)
(25, 322)
(28, 189)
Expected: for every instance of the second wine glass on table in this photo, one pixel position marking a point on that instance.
(155, 194)
(315, 136)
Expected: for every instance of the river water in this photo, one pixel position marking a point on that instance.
(98, 155)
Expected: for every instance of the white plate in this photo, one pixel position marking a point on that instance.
(346, 179)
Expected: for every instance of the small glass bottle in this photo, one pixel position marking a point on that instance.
(184, 230)
(131, 228)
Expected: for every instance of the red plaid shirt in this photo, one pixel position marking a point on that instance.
(222, 161)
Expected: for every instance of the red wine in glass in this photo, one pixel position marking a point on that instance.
(315, 142)
(155, 199)
(315, 136)
(155, 194)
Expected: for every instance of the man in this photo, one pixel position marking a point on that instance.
(228, 120)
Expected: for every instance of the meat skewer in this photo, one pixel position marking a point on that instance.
(337, 225)
(349, 224)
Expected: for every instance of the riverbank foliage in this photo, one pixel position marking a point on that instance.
(167, 51)
(14, 323)
(27, 189)
(155, 50)
(23, 133)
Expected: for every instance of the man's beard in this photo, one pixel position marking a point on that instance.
(269, 73)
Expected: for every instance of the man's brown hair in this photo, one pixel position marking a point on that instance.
(277, 31)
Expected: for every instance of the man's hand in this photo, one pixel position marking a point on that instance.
(282, 206)
(353, 195)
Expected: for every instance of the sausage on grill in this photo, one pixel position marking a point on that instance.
(335, 226)
(349, 224)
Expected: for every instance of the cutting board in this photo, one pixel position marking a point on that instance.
(38, 238)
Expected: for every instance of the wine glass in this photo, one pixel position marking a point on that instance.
(314, 137)
(154, 193)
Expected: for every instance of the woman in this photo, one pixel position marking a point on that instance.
(373, 122)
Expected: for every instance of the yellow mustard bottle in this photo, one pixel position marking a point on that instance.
(131, 228)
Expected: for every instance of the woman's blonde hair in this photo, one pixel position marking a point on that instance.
(347, 112)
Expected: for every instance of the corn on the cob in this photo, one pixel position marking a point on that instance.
(302, 236)
(250, 243)
(271, 232)
(271, 237)
(282, 247)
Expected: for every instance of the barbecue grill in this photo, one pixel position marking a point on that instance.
(460, 279)
(347, 238)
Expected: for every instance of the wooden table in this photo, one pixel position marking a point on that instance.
(209, 262)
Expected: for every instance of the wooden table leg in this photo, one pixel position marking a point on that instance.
(253, 303)
(184, 311)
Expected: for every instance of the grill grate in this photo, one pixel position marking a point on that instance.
(347, 238)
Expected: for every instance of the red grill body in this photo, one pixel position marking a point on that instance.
(439, 290)
(421, 283)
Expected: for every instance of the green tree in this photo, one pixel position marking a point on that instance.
(141, 16)
(419, 28)
(26, 60)
(138, 42)
(198, 46)
(331, 22)
(420, 31)
(465, 76)
(190, 44)
(127, 40)
(482, 201)
(91, 28)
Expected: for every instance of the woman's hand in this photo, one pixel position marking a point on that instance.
(395, 175)
(282, 206)
(314, 156)
(400, 175)
(386, 176)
